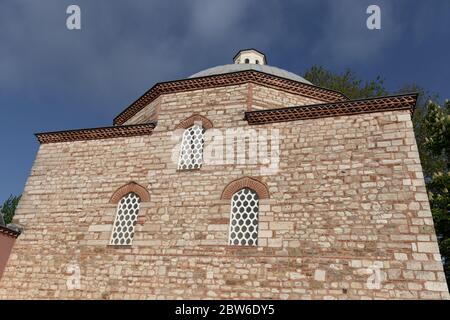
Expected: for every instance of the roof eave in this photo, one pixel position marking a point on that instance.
(349, 107)
(98, 133)
(9, 232)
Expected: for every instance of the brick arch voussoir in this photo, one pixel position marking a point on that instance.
(195, 118)
(130, 187)
(247, 182)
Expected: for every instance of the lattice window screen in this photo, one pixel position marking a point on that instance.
(191, 154)
(244, 218)
(126, 217)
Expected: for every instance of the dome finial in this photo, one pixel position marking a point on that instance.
(251, 56)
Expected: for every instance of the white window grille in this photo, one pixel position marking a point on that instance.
(191, 154)
(126, 217)
(244, 218)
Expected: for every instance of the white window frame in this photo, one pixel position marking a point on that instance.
(241, 220)
(192, 145)
(127, 213)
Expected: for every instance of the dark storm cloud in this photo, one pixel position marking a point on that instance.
(124, 45)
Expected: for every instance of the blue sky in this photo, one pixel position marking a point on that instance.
(54, 79)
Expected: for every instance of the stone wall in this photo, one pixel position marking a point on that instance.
(255, 96)
(267, 98)
(347, 205)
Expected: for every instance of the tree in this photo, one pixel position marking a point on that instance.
(9, 208)
(437, 144)
(432, 130)
(348, 83)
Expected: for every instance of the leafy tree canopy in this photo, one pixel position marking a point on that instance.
(347, 82)
(9, 208)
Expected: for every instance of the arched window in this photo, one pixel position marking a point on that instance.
(244, 218)
(247, 61)
(257, 61)
(126, 217)
(191, 153)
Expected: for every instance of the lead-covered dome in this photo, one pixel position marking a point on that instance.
(250, 59)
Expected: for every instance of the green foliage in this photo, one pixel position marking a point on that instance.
(430, 162)
(437, 144)
(347, 83)
(9, 208)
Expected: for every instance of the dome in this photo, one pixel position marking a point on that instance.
(250, 59)
(227, 68)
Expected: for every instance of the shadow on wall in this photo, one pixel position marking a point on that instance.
(8, 236)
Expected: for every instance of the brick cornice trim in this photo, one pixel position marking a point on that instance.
(351, 107)
(9, 232)
(195, 118)
(228, 79)
(246, 182)
(249, 96)
(130, 187)
(96, 133)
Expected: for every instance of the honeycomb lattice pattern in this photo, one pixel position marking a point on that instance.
(244, 218)
(127, 213)
(191, 154)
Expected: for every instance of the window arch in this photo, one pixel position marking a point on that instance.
(130, 187)
(128, 199)
(246, 182)
(195, 118)
(244, 194)
(126, 217)
(247, 61)
(191, 151)
(244, 218)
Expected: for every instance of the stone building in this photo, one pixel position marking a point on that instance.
(8, 236)
(241, 181)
